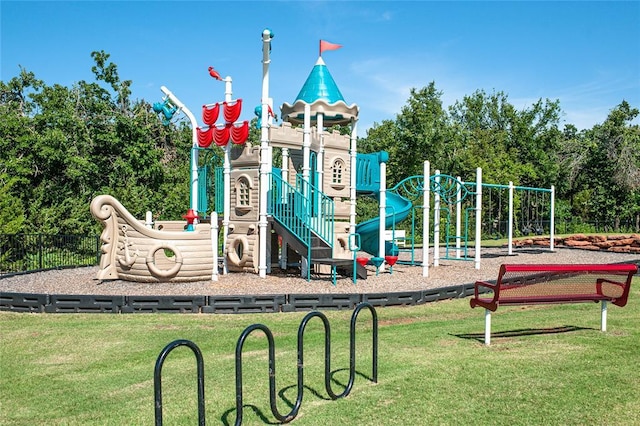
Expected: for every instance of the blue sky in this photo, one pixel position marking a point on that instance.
(586, 54)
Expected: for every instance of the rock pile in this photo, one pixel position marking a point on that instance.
(611, 243)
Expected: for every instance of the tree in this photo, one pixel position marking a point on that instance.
(612, 173)
(418, 133)
(108, 72)
(422, 133)
(62, 146)
(11, 208)
(509, 145)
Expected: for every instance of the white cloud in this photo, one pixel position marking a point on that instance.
(384, 84)
(386, 16)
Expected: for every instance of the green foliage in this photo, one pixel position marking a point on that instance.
(418, 133)
(366, 208)
(62, 146)
(597, 172)
(11, 207)
(605, 181)
(509, 145)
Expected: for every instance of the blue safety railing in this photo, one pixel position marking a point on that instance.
(302, 210)
(204, 183)
(218, 184)
(291, 208)
(321, 209)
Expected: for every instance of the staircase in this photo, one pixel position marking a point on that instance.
(304, 216)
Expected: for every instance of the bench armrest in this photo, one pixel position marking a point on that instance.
(600, 281)
(476, 301)
(485, 284)
(625, 285)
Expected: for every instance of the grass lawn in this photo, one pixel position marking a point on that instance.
(97, 369)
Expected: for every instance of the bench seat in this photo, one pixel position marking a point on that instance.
(549, 284)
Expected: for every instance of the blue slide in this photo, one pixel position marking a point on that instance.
(370, 229)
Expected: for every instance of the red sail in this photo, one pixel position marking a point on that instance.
(232, 110)
(205, 137)
(239, 134)
(221, 135)
(210, 114)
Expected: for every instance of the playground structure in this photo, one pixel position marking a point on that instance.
(297, 213)
(300, 214)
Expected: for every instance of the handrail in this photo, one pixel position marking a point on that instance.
(218, 183)
(290, 207)
(321, 209)
(302, 210)
(445, 185)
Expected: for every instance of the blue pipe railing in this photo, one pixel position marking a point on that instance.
(291, 208)
(321, 210)
(302, 209)
(218, 184)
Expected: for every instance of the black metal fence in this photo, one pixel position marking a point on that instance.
(20, 253)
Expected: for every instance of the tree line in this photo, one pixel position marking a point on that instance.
(62, 146)
(595, 172)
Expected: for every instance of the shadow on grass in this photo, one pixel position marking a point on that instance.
(265, 418)
(226, 416)
(522, 332)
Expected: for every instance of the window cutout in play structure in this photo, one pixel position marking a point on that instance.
(338, 167)
(243, 192)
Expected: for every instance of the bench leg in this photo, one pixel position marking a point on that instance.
(487, 327)
(603, 316)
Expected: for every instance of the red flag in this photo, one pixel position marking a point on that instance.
(325, 45)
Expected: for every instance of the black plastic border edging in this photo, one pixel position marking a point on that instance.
(61, 303)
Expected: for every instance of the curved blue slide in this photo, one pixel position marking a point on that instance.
(370, 229)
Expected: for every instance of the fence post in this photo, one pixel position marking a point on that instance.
(98, 249)
(40, 262)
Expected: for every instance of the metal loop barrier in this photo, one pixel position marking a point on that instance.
(157, 378)
(283, 418)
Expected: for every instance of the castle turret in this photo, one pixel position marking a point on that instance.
(321, 93)
(328, 160)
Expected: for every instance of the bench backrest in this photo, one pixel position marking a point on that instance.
(399, 236)
(519, 283)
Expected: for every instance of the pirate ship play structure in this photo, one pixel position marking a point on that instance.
(302, 213)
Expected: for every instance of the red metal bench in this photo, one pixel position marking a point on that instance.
(539, 284)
